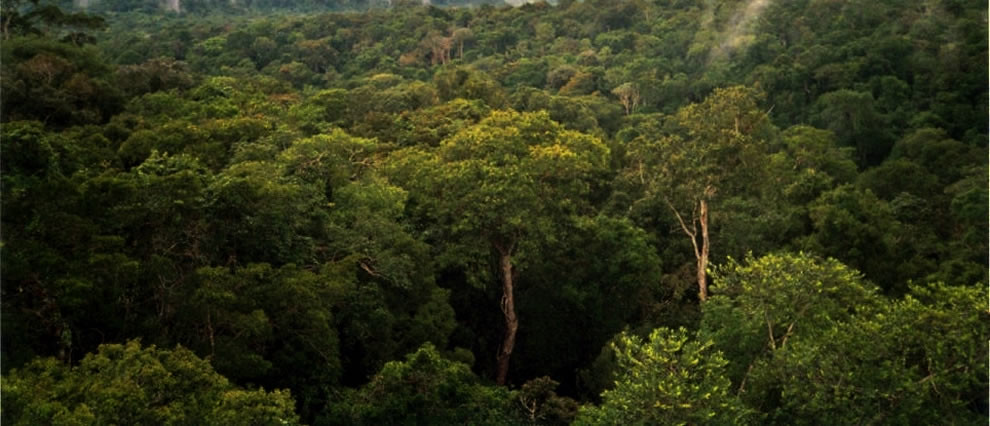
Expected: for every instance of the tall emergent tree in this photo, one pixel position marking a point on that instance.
(712, 146)
(505, 187)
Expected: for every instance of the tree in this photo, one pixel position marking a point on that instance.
(130, 384)
(541, 405)
(439, 47)
(668, 379)
(70, 26)
(58, 83)
(856, 227)
(241, 319)
(968, 208)
(920, 359)
(468, 83)
(764, 304)
(628, 94)
(603, 275)
(424, 388)
(717, 146)
(854, 119)
(506, 186)
(461, 36)
(260, 216)
(389, 303)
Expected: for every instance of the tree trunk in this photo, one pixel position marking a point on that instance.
(509, 311)
(703, 256)
(700, 252)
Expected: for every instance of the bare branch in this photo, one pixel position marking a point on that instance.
(773, 342)
(742, 384)
(692, 234)
(790, 329)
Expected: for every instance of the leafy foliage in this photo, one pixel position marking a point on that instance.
(775, 300)
(303, 199)
(424, 389)
(668, 379)
(133, 384)
(915, 359)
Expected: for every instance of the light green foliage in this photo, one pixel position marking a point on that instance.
(810, 163)
(808, 341)
(711, 144)
(510, 181)
(704, 154)
(424, 389)
(128, 384)
(921, 359)
(322, 110)
(508, 185)
(667, 379)
(429, 126)
(725, 137)
(768, 303)
(329, 160)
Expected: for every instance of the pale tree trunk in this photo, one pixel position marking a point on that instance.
(703, 256)
(509, 312)
(701, 248)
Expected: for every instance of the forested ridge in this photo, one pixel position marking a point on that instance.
(588, 212)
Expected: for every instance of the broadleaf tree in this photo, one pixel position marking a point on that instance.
(707, 149)
(506, 186)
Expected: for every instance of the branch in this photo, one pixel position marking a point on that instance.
(693, 235)
(371, 271)
(790, 328)
(773, 342)
(742, 384)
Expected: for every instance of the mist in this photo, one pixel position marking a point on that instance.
(740, 30)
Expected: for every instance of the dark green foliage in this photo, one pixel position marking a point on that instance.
(59, 83)
(576, 302)
(541, 405)
(303, 199)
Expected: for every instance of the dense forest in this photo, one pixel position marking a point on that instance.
(450, 212)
